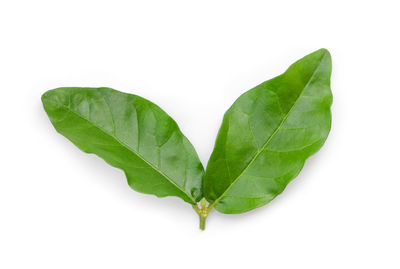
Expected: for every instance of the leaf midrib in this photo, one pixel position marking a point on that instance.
(131, 150)
(269, 139)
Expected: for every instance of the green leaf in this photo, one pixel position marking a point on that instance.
(129, 133)
(267, 135)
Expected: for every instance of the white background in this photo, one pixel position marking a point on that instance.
(61, 208)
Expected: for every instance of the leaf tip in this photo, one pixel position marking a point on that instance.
(324, 52)
(49, 95)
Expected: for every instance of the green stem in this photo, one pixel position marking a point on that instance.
(202, 222)
(203, 213)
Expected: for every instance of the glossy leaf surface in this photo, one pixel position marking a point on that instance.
(129, 133)
(267, 135)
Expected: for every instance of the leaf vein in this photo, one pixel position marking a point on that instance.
(136, 153)
(267, 142)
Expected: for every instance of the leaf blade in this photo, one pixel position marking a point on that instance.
(130, 133)
(291, 109)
